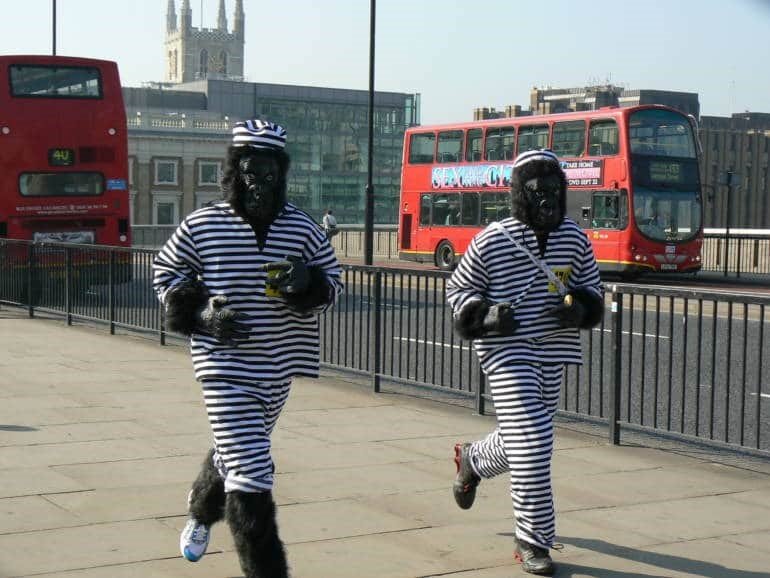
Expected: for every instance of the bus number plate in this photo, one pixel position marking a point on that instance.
(61, 157)
(668, 266)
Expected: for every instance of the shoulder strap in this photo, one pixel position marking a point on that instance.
(538, 263)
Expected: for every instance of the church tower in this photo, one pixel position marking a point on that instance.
(200, 53)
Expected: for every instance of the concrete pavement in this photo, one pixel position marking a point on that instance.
(100, 437)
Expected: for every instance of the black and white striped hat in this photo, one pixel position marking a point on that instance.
(536, 155)
(259, 134)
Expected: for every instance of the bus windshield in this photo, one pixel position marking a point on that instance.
(662, 133)
(667, 214)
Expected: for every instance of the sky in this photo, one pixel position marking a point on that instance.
(457, 54)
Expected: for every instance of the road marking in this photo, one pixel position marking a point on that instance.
(424, 342)
(765, 395)
(638, 334)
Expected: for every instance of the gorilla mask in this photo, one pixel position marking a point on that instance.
(538, 190)
(260, 194)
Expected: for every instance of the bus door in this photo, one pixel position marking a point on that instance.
(608, 219)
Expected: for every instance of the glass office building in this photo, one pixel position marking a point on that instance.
(187, 130)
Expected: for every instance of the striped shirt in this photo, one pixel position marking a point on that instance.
(218, 247)
(495, 269)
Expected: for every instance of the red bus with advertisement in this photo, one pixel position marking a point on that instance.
(633, 178)
(63, 151)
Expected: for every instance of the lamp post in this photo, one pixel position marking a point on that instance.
(53, 12)
(369, 211)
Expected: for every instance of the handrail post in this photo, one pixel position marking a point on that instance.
(111, 297)
(30, 277)
(376, 367)
(617, 350)
(480, 401)
(68, 284)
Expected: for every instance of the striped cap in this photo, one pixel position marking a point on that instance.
(536, 155)
(259, 134)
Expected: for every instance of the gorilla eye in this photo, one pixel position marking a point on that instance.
(269, 178)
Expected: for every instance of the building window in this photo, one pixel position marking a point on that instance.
(206, 197)
(203, 69)
(209, 172)
(166, 172)
(165, 209)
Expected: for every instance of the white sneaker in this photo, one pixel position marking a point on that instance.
(194, 540)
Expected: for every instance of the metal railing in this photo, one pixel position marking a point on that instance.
(688, 363)
(734, 255)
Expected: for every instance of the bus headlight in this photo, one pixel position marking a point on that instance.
(111, 132)
(6, 130)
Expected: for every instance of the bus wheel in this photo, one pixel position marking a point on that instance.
(445, 256)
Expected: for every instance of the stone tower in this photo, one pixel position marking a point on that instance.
(199, 53)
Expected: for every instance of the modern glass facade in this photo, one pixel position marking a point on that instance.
(327, 139)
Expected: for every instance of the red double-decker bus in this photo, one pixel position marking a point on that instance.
(63, 151)
(633, 178)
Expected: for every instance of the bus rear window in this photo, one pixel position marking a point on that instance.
(38, 81)
(61, 184)
(421, 148)
(661, 133)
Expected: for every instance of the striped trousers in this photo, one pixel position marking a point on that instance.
(525, 396)
(242, 417)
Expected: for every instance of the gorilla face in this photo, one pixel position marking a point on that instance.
(260, 192)
(543, 196)
(539, 195)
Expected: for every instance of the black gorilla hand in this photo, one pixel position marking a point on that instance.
(224, 323)
(292, 276)
(569, 313)
(583, 307)
(478, 317)
(500, 319)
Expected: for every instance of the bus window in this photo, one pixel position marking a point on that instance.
(470, 209)
(473, 145)
(499, 144)
(61, 184)
(533, 138)
(495, 207)
(446, 209)
(55, 81)
(450, 146)
(425, 210)
(569, 138)
(603, 138)
(661, 133)
(421, 147)
(609, 211)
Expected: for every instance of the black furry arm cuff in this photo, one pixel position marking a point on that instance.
(469, 320)
(182, 304)
(318, 293)
(593, 306)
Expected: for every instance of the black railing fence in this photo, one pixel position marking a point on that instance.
(733, 255)
(693, 364)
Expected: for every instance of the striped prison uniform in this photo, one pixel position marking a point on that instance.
(246, 386)
(524, 369)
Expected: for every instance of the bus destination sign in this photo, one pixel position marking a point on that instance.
(669, 172)
(61, 157)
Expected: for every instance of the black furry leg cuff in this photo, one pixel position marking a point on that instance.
(318, 293)
(182, 303)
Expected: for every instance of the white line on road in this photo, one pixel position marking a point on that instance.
(424, 342)
(638, 334)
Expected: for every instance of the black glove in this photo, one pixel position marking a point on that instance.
(292, 276)
(570, 312)
(500, 319)
(224, 323)
(583, 307)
